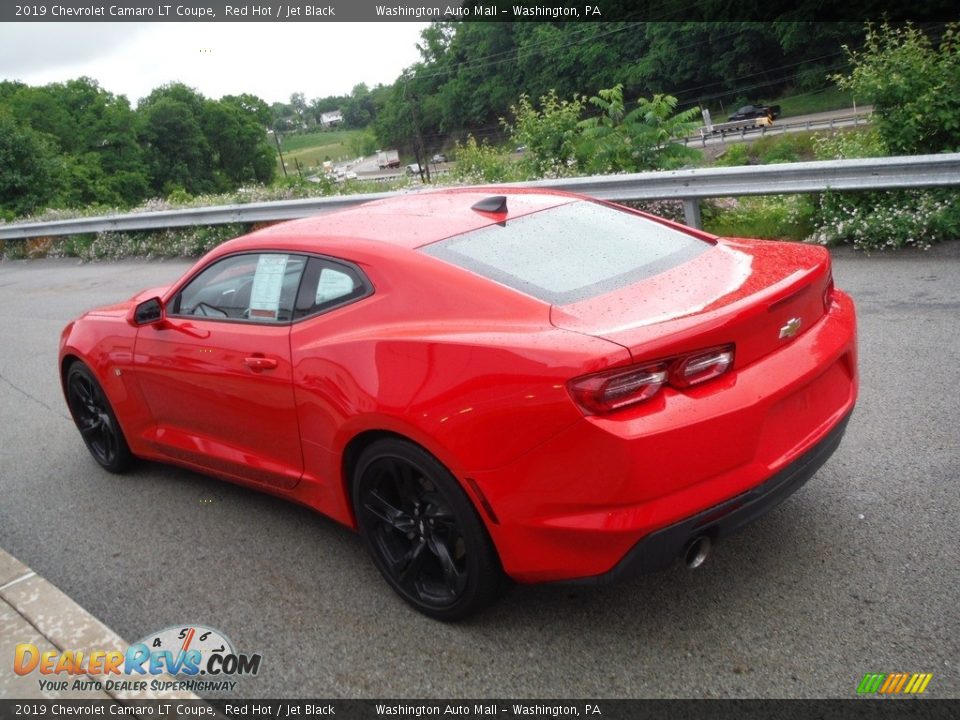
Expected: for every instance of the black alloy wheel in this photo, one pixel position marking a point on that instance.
(423, 532)
(95, 419)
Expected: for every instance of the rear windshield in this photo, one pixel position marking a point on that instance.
(571, 252)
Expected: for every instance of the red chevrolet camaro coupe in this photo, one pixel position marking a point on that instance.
(485, 382)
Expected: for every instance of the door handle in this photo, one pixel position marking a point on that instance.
(260, 363)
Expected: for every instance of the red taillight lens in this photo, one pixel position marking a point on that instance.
(693, 369)
(828, 293)
(604, 392)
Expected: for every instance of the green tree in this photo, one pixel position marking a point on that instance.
(471, 72)
(359, 109)
(299, 105)
(480, 163)
(253, 105)
(177, 151)
(550, 135)
(95, 133)
(29, 169)
(642, 139)
(239, 143)
(282, 117)
(914, 87)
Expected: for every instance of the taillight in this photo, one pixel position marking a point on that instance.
(604, 392)
(703, 366)
(828, 293)
(611, 390)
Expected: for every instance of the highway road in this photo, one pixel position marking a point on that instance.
(823, 121)
(858, 572)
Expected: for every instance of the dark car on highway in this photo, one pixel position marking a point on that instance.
(756, 111)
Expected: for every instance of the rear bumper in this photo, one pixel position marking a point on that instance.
(610, 490)
(661, 548)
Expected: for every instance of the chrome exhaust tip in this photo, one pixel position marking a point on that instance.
(696, 553)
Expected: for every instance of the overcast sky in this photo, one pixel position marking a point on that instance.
(268, 60)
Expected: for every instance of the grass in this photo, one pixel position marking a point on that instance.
(831, 98)
(313, 149)
(320, 138)
(771, 217)
(792, 147)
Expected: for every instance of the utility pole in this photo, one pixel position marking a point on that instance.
(276, 139)
(419, 152)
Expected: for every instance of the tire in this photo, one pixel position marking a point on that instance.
(423, 532)
(96, 420)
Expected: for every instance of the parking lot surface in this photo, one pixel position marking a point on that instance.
(858, 572)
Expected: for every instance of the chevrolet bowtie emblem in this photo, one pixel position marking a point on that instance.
(791, 328)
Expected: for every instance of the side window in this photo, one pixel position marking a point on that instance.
(327, 284)
(258, 287)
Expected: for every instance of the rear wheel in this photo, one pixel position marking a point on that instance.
(423, 532)
(95, 419)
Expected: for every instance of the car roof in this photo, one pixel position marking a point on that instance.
(404, 221)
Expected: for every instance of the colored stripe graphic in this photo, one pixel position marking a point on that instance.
(870, 683)
(894, 683)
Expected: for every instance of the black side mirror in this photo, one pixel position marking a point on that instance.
(148, 312)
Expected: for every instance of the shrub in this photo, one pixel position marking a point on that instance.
(886, 220)
(913, 86)
(772, 217)
(642, 139)
(481, 163)
(669, 209)
(849, 144)
(792, 147)
(735, 155)
(549, 134)
(880, 220)
(180, 242)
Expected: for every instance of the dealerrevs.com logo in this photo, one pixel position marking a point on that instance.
(200, 659)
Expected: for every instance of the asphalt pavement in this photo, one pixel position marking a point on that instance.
(858, 572)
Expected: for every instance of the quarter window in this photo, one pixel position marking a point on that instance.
(328, 284)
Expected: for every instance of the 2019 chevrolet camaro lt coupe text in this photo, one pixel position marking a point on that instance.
(484, 382)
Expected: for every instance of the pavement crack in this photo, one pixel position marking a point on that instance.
(37, 400)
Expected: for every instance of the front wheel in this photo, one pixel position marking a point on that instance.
(95, 419)
(423, 532)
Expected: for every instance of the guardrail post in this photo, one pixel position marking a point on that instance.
(691, 213)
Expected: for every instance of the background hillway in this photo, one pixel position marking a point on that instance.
(201, 127)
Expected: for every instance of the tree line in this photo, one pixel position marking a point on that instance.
(74, 144)
(470, 73)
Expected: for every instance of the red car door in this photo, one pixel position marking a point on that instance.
(216, 372)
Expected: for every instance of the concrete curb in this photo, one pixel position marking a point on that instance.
(33, 610)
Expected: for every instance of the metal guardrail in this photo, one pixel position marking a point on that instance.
(779, 128)
(689, 185)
